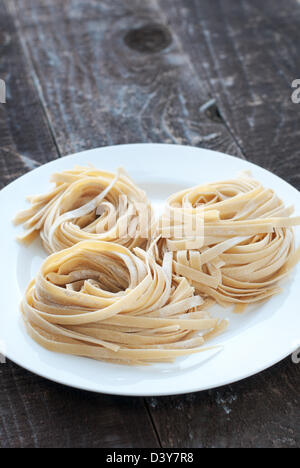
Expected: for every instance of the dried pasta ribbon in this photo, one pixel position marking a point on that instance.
(100, 300)
(243, 248)
(88, 204)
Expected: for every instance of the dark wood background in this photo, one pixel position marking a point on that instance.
(209, 73)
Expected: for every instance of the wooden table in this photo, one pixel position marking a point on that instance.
(208, 73)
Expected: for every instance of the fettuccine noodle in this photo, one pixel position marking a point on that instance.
(102, 296)
(87, 203)
(243, 248)
(100, 300)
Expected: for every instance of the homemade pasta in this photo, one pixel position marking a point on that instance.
(242, 246)
(87, 203)
(101, 295)
(100, 300)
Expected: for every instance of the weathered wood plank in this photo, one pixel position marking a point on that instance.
(259, 412)
(25, 139)
(111, 72)
(249, 53)
(37, 413)
(33, 411)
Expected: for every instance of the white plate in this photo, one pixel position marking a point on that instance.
(254, 341)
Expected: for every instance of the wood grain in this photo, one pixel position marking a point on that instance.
(249, 53)
(259, 412)
(25, 138)
(102, 88)
(40, 414)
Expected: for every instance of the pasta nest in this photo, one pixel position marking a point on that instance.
(88, 204)
(100, 300)
(242, 246)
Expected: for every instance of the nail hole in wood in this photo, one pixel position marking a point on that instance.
(149, 38)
